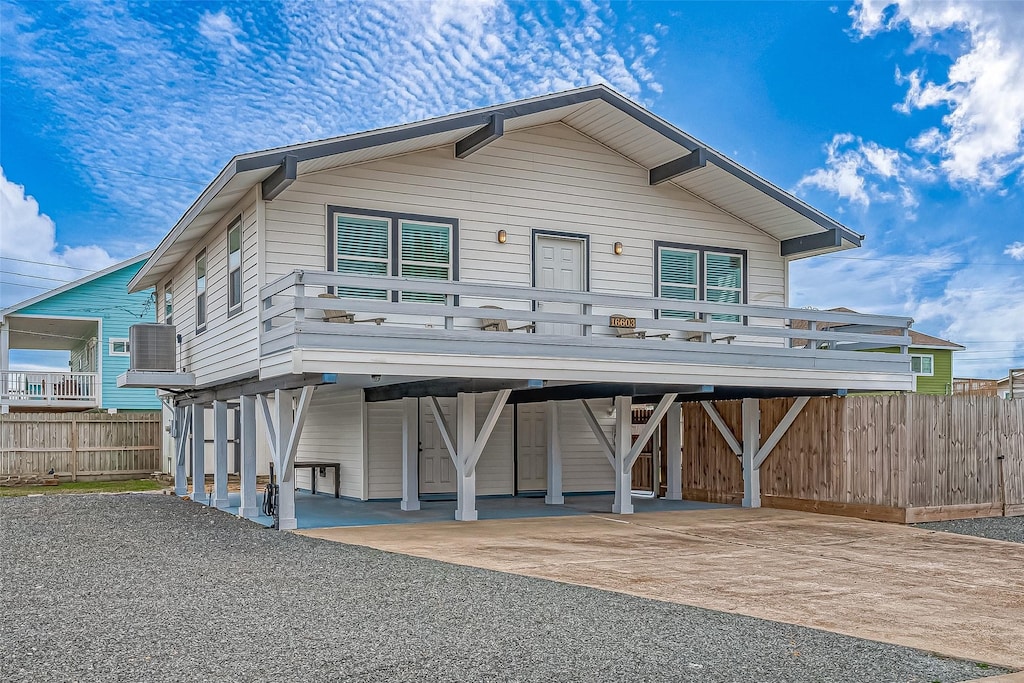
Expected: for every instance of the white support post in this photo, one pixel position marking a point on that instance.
(285, 471)
(182, 427)
(220, 451)
(554, 494)
(751, 445)
(410, 454)
(623, 504)
(465, 427)
(248, 507)
(199, 454)
(674, 454)
(5, 363)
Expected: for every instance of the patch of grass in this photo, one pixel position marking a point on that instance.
(84, 487)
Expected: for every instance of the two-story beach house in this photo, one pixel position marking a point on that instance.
(470, 305)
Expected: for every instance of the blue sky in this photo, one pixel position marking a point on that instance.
(905, 121)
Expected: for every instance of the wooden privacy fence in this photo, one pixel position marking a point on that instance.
(900, 458)
(80, 445)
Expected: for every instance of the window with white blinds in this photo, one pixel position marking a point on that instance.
(363, 247)
(696, 273)
(392, 244)
(679, 278)
(723, 281)
(426, 254)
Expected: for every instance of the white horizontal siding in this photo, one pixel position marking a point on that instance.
(548, 178)
(334, 433)
(585, 467)
(384, 448)
(229, 346)
(494, 471)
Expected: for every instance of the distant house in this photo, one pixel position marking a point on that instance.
(88, 318)
(931, 358)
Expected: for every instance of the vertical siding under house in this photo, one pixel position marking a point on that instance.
(545, 178)
(106, 298)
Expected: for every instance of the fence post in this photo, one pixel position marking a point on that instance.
(74, 447)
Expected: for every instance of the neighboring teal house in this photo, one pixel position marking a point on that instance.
(88, 318)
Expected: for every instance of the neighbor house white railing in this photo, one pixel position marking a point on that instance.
(48, 388)
(292, 302)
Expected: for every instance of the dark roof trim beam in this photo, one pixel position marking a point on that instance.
(822, 240)
(698, 158)
(481, 137)
(281, 178)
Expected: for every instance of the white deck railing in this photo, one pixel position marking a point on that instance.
(48, 388)
(286, 304)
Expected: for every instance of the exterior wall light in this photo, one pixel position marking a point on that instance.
(502, 237)
(617, 248)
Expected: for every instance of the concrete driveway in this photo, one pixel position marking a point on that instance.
(954, 595)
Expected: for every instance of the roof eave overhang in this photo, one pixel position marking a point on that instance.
(838, 236)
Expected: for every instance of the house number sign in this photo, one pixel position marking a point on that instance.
(621, 321)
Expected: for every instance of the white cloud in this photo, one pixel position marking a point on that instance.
(862, 172)
(981, 139)
(946, 298)
(28, 246)
(222, 32)
(288, 72)
(1015, 251)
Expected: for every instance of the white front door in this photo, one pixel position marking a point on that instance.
(559, 265)
(437, 471)
(531, 447)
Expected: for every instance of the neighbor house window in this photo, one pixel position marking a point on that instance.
(235, 267)
(201, 291)
(371, 243)
(922, 365)
(119, 347)
(168, 304)
(695, 273)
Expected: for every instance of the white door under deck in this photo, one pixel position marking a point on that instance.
(437, 471)
(531, 447)
(559, 264)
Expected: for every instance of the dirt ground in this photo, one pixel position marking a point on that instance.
(954, 595)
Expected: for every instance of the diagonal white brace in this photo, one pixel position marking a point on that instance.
(445, 429)
(270, 431)
(473, 457)
(723, 428)
(184, 417)
(780, 431)
(595, 426)
(645, 434)
(305, 398)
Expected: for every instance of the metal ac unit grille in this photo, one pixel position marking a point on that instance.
(152, 347)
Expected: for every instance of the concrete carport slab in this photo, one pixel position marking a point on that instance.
(954, 595)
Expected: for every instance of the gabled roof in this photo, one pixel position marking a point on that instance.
(597, 111)
(77, 283)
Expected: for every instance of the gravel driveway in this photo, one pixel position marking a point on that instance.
(152, 588)
(999, 528)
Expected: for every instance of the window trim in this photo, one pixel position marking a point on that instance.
(702, 251)
(236, 308)
(394, 236)
(110, 347)
(201, 325)
(931, 363)
(168, 299)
